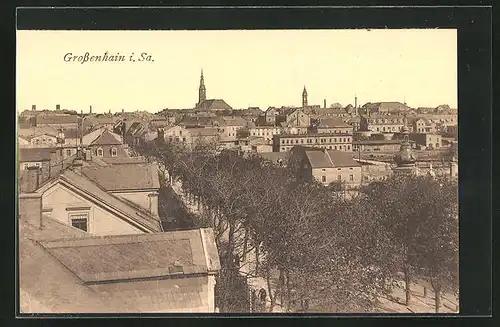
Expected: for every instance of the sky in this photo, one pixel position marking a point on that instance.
(246, 68)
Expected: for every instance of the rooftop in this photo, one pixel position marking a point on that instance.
(330, 159)
(35, 154)
(121, 177)
(137, 269)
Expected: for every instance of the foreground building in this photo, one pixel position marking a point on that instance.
(64, 270)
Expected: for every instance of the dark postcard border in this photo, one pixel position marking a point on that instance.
(474, 43)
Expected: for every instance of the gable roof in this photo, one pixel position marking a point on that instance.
(213, 104)
(121, 177)
(321, 158)
(35, 154)
(127, 210)
(107, 138)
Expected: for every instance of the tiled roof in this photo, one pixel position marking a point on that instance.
(126, 208)
(136, 256)
(213, 104)
(120, 177)
(35, 154)
(107, 138)
(330, 159)
(57, 119)
(385, 106)
(332, 122)
(51, 271)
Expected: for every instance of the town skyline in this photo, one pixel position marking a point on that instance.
(245, 68)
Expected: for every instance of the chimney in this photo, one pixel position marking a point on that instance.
(355, 102)
(30, 209)
(33, 107)
(91, 110)
(324, 103)
(29, 180)
(58, 107)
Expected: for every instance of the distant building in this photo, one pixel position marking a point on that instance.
(333, 125)
(327, 166)
(106, 144)
(423, 125)
(205, 104)
(385, 107)
(58, 121)
(331, 141)
(381, 123)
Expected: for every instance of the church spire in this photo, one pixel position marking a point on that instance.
(304, 97)
(202, 92)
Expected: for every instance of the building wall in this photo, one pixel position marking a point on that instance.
(332, 142)
(332, 175)
(144, 199)
(58, 198)
(332, 130)
(265, 132)
(390, 147)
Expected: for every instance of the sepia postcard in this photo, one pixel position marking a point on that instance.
(237, 171)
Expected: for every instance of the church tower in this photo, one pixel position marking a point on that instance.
(202, 92)
(304, 98)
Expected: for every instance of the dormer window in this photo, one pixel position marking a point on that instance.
(100, 152)
(114, 152)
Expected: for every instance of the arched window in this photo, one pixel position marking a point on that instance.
(114, 152)
(100, 153)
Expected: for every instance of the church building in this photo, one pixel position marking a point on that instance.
(205, 104)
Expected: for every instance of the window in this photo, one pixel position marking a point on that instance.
(351, 178)
(282, 141)
(323, 179)
(68, 152)
(301, 141)
(37, 164)
(340, 177)
(80, 221)
(100, 153)
(114, 152)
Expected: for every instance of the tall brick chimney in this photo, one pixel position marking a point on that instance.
(29, 180)
(324, 103)
(33, 107)
(30, 208)
(58, 107)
